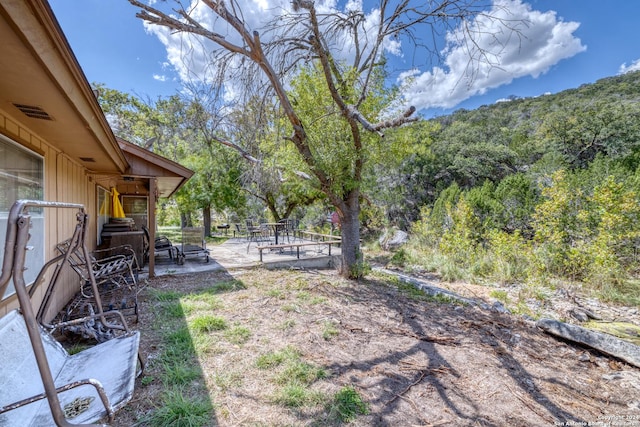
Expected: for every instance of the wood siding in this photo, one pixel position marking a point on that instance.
(64, 181)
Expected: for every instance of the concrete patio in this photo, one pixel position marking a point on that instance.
(233, 254)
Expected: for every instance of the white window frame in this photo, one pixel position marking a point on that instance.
(35, 258)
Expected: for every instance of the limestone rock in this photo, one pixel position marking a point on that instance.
(393, 240)
(604, 343)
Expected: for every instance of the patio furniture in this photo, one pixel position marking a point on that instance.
(34, 367)
(289, 228)
(256, 233)
(115, 278)
(224, 227)
(161, 244)
(193, 243)
(239, 230)
(282, 246)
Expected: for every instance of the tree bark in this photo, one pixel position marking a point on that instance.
(206, 220)
(352, 263)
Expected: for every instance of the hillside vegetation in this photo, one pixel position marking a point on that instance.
(539, 191)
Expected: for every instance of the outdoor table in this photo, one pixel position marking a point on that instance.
(276, 227)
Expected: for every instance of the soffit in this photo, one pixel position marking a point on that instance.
(38, 69)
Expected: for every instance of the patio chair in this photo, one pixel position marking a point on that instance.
(193, 243)
(119, 269)
(289, 228)
(239, 230)
(161, 244)
(256, 233)
(114, 277)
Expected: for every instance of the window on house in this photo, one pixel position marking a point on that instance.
(22, 177)
(136, 207)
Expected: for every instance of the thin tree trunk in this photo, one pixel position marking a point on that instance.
(185, 220)
(206, 220)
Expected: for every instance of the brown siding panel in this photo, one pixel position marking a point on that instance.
(65, 181)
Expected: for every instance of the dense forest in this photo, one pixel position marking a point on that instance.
(527, 190)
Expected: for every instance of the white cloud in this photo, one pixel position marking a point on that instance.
(190, 55)
(160, 78)
(635, 66)
(542, 42)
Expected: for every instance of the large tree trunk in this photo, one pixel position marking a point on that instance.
(352, 262)
(206, 220)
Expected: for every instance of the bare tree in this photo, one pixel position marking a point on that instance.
(307, 33)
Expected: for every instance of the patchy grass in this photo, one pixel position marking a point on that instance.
(309, 348)
(177, 409)
(347, 404)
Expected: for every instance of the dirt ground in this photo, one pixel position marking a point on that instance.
(415, 361)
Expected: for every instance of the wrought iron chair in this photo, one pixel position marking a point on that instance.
(115, 277)
(256, 233)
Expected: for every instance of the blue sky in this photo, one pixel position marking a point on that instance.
(568, 43)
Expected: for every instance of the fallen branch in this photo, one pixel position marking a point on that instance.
(399, 395)
(423, 373)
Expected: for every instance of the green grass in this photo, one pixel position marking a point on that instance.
(208, 323)
(415, 293)
(500, 295)
(203, 301)
(180, 373)
(177, 346)
(347, 404)
(172, 310)
(294, 377)
(625, 293)
(184, 403)
(226, 286)
(164, 296)
(276, 293)
(270, 360)
(177, 409)
(77, 348)
(297, 371)
(297, 395)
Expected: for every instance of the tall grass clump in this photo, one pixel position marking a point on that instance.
(178, 409)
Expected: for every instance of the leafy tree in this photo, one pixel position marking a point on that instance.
(306, 34)
(580, 132)
(175, 128)
(516, 198)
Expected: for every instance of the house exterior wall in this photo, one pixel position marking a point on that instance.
(64, 181)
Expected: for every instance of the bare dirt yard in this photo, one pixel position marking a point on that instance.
(279, 348)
